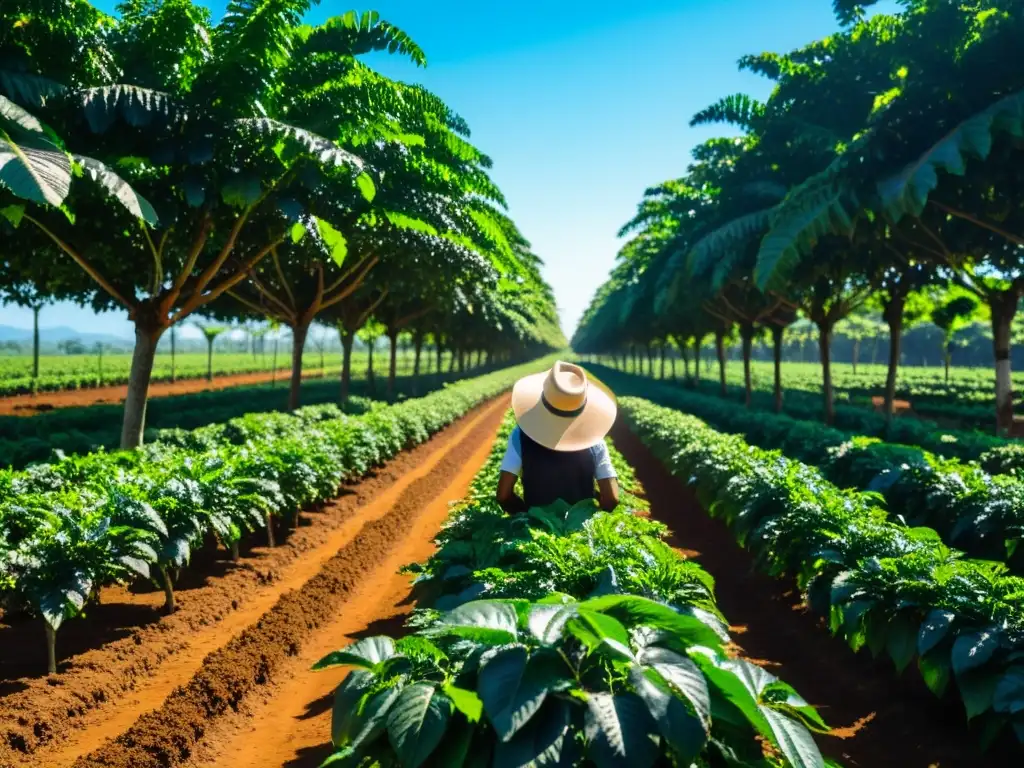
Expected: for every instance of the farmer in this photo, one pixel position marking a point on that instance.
(558, 446)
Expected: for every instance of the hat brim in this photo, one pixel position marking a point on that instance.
(561, 433)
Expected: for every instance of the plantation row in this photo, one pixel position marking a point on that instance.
(562, 634)
(69, 528)
(896, 590)
(979, 509)
(89, 428)
(967, 445)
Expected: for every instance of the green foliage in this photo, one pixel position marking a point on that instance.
(558, 636)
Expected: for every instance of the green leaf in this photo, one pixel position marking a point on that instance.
(972, 649)
(977, 690)
(901, 640)
(13, 214)
(334, 242)
(371, 717)
(935, 670)
(298, 231)
(417, 723)
(934, 629)
(794, 740)
(547, 622)
(545, 741)
(680, 727)
(482, 621)
(618, 730)
(466, 701)
(593, 629)
(366, 653)
(411, 223)
(690, 628)
(366, 186)
(119, 189)
(32, 165)
(683, 675)
(346, 698)
(1009, 692)
(513, 686)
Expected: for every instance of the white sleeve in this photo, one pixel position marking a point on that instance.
(603, 469)
(513, 460)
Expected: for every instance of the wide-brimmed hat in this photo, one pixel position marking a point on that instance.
(561, 410)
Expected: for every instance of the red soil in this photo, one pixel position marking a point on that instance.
(156, 684)
(29, 405)
(878, 718)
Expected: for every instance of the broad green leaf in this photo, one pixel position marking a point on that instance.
(634, 611)
(977, 690)
(1009, 692)
(681, 728)
(482, 621)
(972, 649)
(592, 629)
(119, 189)
(366, 653)
(370, 719)
(366, 186)
(513, 686)
(934, 629)
(298, 231)
(417, 723)
(346, 699)
(334, 242)
(935, 670)
(545, 741)
(32, 165)
(683, 675)
(13, 214)
(794, 740)
(618, 730)
(467, 702)
(547, 621)
(901, 640)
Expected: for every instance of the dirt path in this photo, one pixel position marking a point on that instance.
(299, 710)
(132, 660)
(231, 677)
(29, 405)
(880, 720)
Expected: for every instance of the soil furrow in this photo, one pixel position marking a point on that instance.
(250, 661)
(879, 719)
(125, 658)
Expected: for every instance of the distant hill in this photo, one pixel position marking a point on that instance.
(50, 336)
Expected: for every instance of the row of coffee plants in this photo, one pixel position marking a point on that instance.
(896, 590)
(972, 509)
(966, 444)
(562, 636)
(71, 527)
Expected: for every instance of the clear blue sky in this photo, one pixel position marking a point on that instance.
(582, 104)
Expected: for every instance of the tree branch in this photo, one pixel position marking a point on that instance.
(198, 243)
(158, 268)
(83, 263)
(351, 287)
(1015, 239)
(280, 276)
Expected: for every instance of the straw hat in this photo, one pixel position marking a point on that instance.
(560, 410)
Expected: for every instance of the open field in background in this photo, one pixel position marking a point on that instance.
(72, 372)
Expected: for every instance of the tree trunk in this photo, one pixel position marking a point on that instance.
(747, 339)
(856, 354)
(417, 351)
(298, 346)
(371, 381)
(720, 352)
(439, 354)
(347, 340)
(462, 361)
(174, 336)
(209, 359)
(696, 360)
(685, 354)
(35, 342)
(51, 649)
(168, 585)
(825, 350)
(392, 365)
(893, 315)
(777, 333)
(1004, 307)
(453, 361)
(271, 541)
(134, 424)
(661, 350)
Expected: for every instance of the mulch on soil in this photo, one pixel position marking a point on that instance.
(167, 736)
(879, 719)
(126, 641)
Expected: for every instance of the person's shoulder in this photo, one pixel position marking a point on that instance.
(600, 448)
